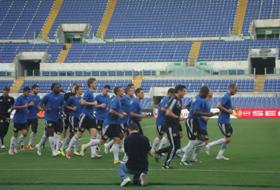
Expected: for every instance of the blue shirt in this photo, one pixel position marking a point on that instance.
(33, 110)
(136, 108)
(161, 114)
(101, 113)
(88, 110)
(115, 105)
(126, 107)
(199, 104)
(74, 101)
(201, 121)
(21, 114)
(224, 118)
(53, 102)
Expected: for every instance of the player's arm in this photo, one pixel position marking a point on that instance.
(18, 106)
(119, 114)
(223, 109)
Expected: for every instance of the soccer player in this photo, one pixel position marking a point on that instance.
(136, 110)
(67, 121)
(226, 109)
(198, 109)
(52, 104)
(160, 139)
(20, 120)
(102, 108)
(87, 120)
(73, 104)
(6, 106)
(173, 118)
(32, 118)
(112, 128)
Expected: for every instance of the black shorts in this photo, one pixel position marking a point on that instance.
(20, 126)
(5, 122)
(161, 129)
(193, 129)
(226, 129)
(86, 123)
(99, 125)
(203, 135)
(112, 131)
(33, 123)
(56, 125)
(74, 124)
(67, 123)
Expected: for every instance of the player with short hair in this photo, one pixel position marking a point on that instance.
(20, 120)
(198, 109)
(160, 139)
(6, 106)
(173, 118)
(136, 113)
(52, 104)
(226, 109)
(32, 118)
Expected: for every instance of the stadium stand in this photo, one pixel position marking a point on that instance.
(272, 85)
(23, 19)
(4, 83)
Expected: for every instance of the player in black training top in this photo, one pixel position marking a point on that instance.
(6, 106)
(172, 124)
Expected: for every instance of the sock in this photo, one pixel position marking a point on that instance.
(72, 142)
(110, 143)
(155, 143)
(116, 150)
(93, 142)
(189, 148)
(52, 143)
(31, 138)
(57, 142)
(217, 142)
(42, 140)
(21, 140)
(76, 145)
(93, 150)
(125, 158)
(13, 143)
(65, 142)
(197, 149)
(222, 150)
(164, 141)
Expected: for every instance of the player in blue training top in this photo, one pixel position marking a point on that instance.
(198, 109)
(20, 120)
(136, 113)
(52, 104)
(112, 124)
(226, 109)
(161, 139)
(32, 118)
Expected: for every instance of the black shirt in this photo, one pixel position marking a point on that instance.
(6, 103)
(175, 105)
(137, 147)
(66, 97)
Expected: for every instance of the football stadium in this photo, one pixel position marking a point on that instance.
(152, 94)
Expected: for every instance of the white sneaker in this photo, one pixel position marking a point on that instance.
(222, 158)
(96, 156)
(207, 150)
(83, 148)
(3, 147)
(39, 151)
(125, 182)
(11, 152)
(143, 179)
(54, 154)
(106, 148)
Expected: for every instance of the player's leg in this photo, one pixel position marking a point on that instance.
(4, 127)
(23, 133)
(114, 132)
(174, 140)
(157, 139)
(13, 142)
(228, 137)
(58, 135)
(94, 141)
(34, 128)
(50, 134)
(203, 141)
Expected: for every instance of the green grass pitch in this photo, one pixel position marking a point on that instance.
(254, 164)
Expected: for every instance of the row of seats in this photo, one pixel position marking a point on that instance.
(272, 85)
(4, 83)
(194, 85)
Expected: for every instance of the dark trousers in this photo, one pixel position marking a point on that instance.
(174, 141)
(4, 126)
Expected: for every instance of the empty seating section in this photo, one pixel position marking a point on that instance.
(8, 52)
(194, 85)
(232, 50)
(4, 83)
(272, 85)
(169, 18)
(247, 102)
(130, 52)
(45, 85)
(23, 19)
(82, 11)
(260, 9)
